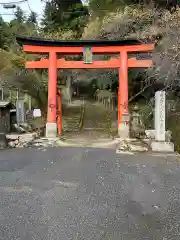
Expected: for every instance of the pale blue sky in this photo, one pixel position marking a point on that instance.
(35, 5)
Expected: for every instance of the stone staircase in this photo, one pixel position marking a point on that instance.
(72, 122)
(89, 118)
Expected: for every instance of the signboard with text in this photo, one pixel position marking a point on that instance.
(87, 55)
(36, 113)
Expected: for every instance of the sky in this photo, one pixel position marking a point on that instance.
(35, 5)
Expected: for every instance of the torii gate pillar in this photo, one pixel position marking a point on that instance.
(51, 125)
(123, 112)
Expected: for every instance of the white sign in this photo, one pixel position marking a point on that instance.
(160, 115)
(37, 113)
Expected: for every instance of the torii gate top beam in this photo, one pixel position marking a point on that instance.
(38, 45)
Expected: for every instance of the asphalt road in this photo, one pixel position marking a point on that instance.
(92, 194)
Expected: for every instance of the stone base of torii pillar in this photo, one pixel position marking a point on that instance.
(123, 128)
(51, 130)
(160, 144)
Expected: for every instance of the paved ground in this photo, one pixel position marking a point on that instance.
(92, 194)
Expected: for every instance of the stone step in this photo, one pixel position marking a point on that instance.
(72, 123)
(72, 118)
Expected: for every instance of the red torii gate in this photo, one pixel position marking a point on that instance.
(55, 48)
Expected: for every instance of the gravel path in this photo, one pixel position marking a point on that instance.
(88, 194)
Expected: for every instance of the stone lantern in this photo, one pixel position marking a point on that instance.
(136, 125)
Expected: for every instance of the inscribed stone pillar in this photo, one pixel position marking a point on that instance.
(160, 99)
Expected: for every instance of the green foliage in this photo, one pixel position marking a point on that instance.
(19, 15)
(12, 59)
(32, 19)
(65, 16)
(3, 33)
(103, 7)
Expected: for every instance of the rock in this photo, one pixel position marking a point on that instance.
(19, 146)
(25, 145)
(28, 137)
(137, 148)
(12, 137)
(16, 142)
(26, 127)
(11, 144)
(123, 146)
(19, 128)
(21, 140)
(133, 146)
(22, 145)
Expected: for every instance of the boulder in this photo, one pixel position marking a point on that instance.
(12, 144)
(16, 142)
(12, 137)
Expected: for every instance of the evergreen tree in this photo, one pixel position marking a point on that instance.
(3, 33)
(19, 15)
(32, 18)
(65, 15)
(103, 7)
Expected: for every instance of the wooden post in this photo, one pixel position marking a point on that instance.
(2, 94)
(10, 95)
(123, 121)
(51, 126)
(17, 94)
(30, 102)
(119, 118)
(59, 118)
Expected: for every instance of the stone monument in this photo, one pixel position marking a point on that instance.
(160, 105)
(160, 144)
